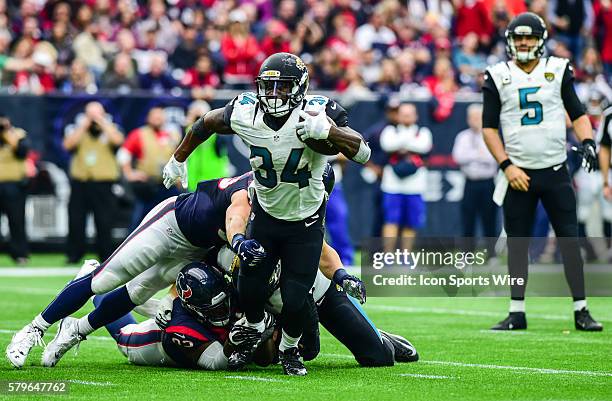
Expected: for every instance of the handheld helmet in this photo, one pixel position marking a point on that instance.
(281, 84)
(204, 291)
(526, 24)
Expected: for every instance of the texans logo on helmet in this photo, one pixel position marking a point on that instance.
(186, 294)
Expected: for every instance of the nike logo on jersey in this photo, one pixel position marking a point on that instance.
(555, 168)
(333, 106)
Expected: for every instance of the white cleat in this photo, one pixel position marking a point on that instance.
(21, 345)
(88, 266)
(67, 337)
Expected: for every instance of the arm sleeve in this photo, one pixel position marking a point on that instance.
(605, 132)
(421, 143)
(227, 112)
(213, 357)
(389, 140)
(572, 104)
(337, 113)
(491, 103)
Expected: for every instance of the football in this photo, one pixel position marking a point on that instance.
(322, 146)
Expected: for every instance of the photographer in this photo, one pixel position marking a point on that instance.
(13, 150)
(93, 170)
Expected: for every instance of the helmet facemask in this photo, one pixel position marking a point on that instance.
(277, 96)
(217, 313)
(533, 53)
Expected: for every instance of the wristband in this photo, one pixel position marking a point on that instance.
(339, 276)
(237, 238)
(589, 141)
(504, 165)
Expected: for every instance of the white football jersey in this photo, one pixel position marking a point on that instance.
(532, 116)
(288, 174)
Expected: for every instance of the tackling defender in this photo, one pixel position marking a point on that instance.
(528, 96)
(178, 229)
(288, 207)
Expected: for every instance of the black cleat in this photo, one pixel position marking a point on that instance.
(514, 321)
(292, 364)
(245, 339)
(585, 322)
(404, 350)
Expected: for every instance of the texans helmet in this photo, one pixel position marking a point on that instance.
(281, 84)
(204, 291)
(526, 24)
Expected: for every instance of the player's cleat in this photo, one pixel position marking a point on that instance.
(245, 339)
(22, 343)
(514, 321)
(67, 337)
(404, 350)
(292, 364)
(585, 322)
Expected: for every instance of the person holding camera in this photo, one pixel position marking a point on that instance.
(93, 171)
(14, 147)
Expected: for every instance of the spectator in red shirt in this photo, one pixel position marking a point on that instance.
(40, 79)
(142, 157)
(201, 75)
(240, 50)
(442, 87)
(472, 16)
(276, 39)
(602, 31)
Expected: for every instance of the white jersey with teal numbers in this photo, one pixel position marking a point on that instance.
(288, 175)
(532, 116)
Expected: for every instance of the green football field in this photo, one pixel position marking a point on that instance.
(460, 358)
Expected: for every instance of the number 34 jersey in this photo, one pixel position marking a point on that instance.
(532, 113)
(288, 175)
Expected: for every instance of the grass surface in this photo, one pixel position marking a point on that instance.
(460, 359)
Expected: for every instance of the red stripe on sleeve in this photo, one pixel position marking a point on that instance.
(187, 331)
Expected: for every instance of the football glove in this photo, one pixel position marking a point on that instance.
(174, 171)
(351, 285)
(164, 311)
(250, 252)
(312, 127)
(588, 152)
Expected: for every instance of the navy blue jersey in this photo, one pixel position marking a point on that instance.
(201, 214)
(186, 338)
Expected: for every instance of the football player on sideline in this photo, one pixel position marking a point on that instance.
(178, 229)
(529, 96)
(288, 207)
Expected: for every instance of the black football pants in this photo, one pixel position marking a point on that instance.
(297, 244)
(553, 187)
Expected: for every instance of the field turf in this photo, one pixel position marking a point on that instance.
(460, 358)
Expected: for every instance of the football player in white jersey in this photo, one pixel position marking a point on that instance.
(288, 205)
(527, 97)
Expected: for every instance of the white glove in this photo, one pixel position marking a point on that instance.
(164, 311)
(313, 127)
(174, 171)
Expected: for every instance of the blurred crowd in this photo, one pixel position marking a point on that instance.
(436, 47)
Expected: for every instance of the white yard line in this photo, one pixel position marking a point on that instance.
(464, 312)
(520, 368)
(37, 271)
(516, 369)
(425, 376)
(256, 378)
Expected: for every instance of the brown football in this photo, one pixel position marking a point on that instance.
(322, 146)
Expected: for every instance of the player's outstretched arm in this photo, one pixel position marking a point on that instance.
(332, 268)
(210, 123)
(250, 252)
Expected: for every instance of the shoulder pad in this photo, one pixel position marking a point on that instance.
(500, 73)
(315, 103)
